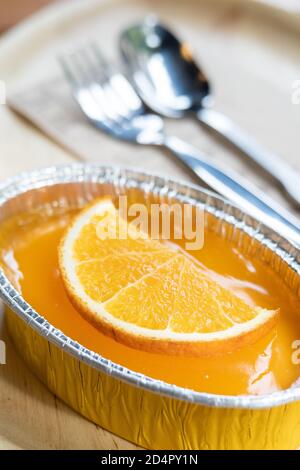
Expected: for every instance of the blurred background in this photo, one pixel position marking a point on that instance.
(13, 11)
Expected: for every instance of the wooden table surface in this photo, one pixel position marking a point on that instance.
(30, 416)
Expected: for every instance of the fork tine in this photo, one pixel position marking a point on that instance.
(88, 61)
(104, 74)
(96, 82)
(113, 92)
(99, 91)
(107, 68)
(70, 67)
(79, 75)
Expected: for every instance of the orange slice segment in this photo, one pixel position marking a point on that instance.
(149, 295)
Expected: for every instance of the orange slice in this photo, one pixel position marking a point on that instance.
(149, 295)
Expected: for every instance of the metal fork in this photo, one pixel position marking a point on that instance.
(111, 104)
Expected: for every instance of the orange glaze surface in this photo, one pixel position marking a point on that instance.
(28, 247)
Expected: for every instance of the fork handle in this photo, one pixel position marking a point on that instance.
(250, 199)
(285, 175)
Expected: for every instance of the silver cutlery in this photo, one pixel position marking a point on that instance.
(111, 104)
(169, 81)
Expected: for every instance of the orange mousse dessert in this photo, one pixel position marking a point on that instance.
(243, 290)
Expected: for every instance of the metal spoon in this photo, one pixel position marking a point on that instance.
(169, 81)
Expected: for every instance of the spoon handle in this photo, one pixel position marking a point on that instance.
(285, 175)
(242, 194)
